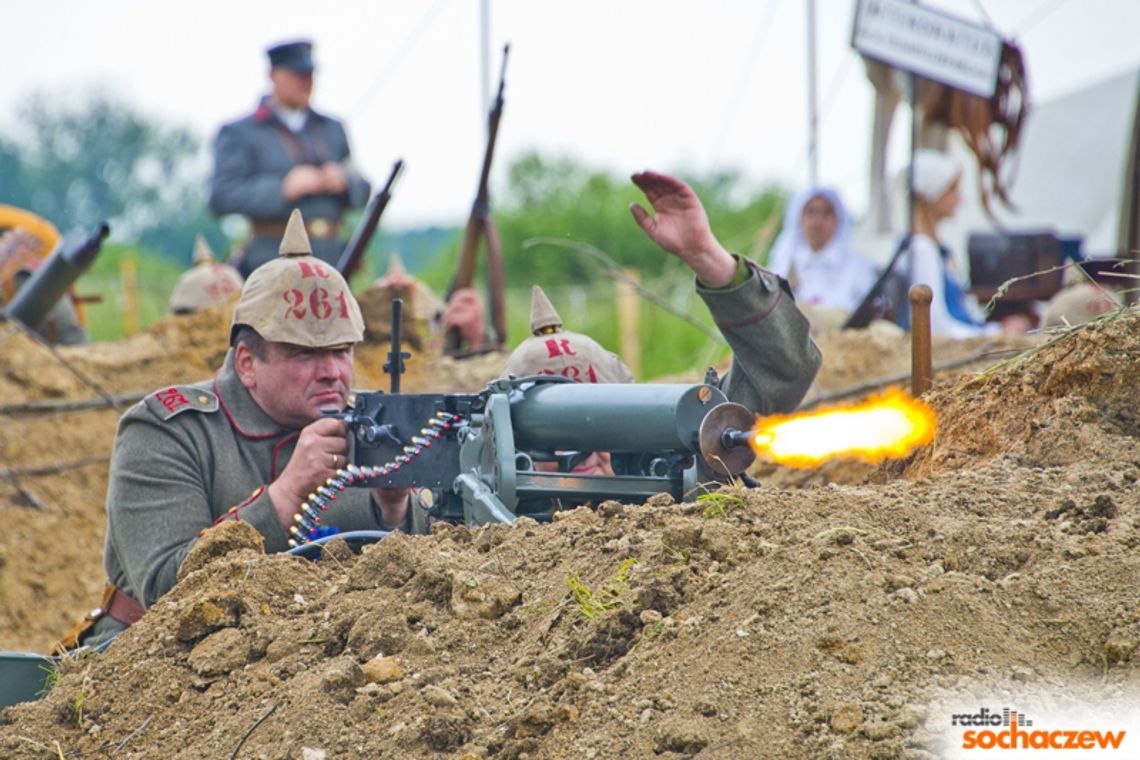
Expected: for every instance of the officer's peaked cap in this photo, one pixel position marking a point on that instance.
(296, 55)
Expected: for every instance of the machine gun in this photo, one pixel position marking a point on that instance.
(349, 261)
(474, 455)
(481, 226)
(71, 258)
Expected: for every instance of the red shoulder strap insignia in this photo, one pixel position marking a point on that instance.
(168, 402)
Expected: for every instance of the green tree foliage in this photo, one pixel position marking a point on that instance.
(561, 198)
(586, 209)
(80, 163)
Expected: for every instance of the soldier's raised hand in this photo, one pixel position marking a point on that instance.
(681, 227)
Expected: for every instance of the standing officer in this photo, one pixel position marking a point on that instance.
(284, 156)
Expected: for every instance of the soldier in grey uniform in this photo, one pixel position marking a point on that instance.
(249, 444)
(283, 156)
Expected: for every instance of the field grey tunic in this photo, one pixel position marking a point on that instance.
(251, 158)
(183, 457)
(774, 359)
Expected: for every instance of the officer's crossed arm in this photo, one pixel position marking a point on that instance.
(334, 179)
(302, 180)
(307, 179)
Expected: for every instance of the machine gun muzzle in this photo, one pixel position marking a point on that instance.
(71, 258)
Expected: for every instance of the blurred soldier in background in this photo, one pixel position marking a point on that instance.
(425, 305)
(284, 156)
(423, 309)
(22, 248)
(205, 284)
(426, 316)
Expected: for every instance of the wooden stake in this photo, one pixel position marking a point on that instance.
(921, 363)
(629, 320)
(129, 283)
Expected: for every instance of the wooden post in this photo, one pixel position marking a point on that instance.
(921, 362)
(129, 284)
(629, 320)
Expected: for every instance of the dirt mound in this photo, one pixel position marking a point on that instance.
(860, 362)
(833, 621)
(57, 426)
(1056, 405)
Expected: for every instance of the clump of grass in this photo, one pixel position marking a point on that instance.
(52, 675)
(79, 701)
(609, 595)
(589, 604)
(622, 574)
(719, 503)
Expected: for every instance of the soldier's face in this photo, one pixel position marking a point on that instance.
(291, 89)
(597, 463)
(292, 384)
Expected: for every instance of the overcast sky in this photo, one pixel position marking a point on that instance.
(666, 84)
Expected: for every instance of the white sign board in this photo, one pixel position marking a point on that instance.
(929, 43)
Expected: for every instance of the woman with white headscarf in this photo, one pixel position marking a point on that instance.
(953, 311)
(815, 254)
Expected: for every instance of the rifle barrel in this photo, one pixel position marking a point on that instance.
(481, 206)
(350, 259)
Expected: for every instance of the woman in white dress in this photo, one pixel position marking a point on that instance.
(815, 254)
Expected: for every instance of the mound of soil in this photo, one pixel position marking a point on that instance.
(833, 620)
(57, 427)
